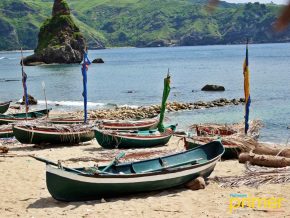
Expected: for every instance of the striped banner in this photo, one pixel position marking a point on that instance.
(247, 90)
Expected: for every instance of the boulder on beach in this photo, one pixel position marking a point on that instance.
(98, 61)
(31, 100)
(59, 39)
(213, 88)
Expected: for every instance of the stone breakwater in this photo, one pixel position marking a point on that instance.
(154, 110)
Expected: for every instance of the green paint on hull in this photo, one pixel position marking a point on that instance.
(111, 142)
(67, 184)
(230, 151)
(5, 119)
(4, 107)
(28, 137)
(6, 135)
(64, 189)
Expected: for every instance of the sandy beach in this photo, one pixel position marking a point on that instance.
(24, 194)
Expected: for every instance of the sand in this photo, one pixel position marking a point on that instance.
(23, 190)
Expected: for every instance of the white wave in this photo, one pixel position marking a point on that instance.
(81, 103)
(72, 103)
(129, 106)
(2, 58)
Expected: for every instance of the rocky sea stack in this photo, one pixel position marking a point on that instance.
(59, 39)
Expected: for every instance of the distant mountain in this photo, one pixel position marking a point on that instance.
(144, 23)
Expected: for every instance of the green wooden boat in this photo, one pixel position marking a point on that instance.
(83, 184)
(232, 151)
(145, 124)
(6, 131)
(4, 107)
(69, 134)
(12, 118)
(133, 139)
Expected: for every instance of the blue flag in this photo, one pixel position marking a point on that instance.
(24, 78)
(86, 63)
(247, 90)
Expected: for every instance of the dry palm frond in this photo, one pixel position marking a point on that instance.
(255, 176)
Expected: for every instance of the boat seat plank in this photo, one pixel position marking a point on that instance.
(192, 162)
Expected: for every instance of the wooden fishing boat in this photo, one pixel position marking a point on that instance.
(232, 150)
(133, 139)
(82, 184)
(4, 107)
(206, 130)
(12, 118)
(129, 125)
(6, 131)
(224, 130)
(67, 120)
(70, 134)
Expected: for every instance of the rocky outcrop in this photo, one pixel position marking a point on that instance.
(59, 39)
(31, 100)
(213, 88)
(98, 61)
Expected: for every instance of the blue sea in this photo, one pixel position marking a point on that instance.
(141, 71)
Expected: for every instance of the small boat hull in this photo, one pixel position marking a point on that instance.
(12, 118)
(34, 135)
(6, 133)
(4, 107)
(114, 139)
(130, 178)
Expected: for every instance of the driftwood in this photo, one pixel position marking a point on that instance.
(266, 150)
(264, 160)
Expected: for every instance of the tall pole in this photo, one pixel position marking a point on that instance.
(24, 78)
(43, 87)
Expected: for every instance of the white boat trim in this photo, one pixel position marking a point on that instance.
(126, 180)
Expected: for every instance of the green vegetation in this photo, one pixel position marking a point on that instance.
(52, 29)
(141, 22)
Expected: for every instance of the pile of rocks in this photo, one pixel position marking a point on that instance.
(154, 110)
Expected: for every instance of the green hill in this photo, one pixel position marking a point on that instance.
(143, 22)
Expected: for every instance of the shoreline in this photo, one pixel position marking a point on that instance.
(124, 47)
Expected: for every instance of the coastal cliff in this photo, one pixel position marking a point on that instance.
(59, 39)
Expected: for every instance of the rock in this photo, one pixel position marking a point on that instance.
(4, 150)
(242, 100)
(98, 61)
(213, 88)
(235, 101)
(31, 100)
(59, 39)
(103, 200)
(196, 184)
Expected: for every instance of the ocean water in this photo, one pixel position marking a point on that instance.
(142, 70)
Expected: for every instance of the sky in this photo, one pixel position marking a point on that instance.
(261, 1)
